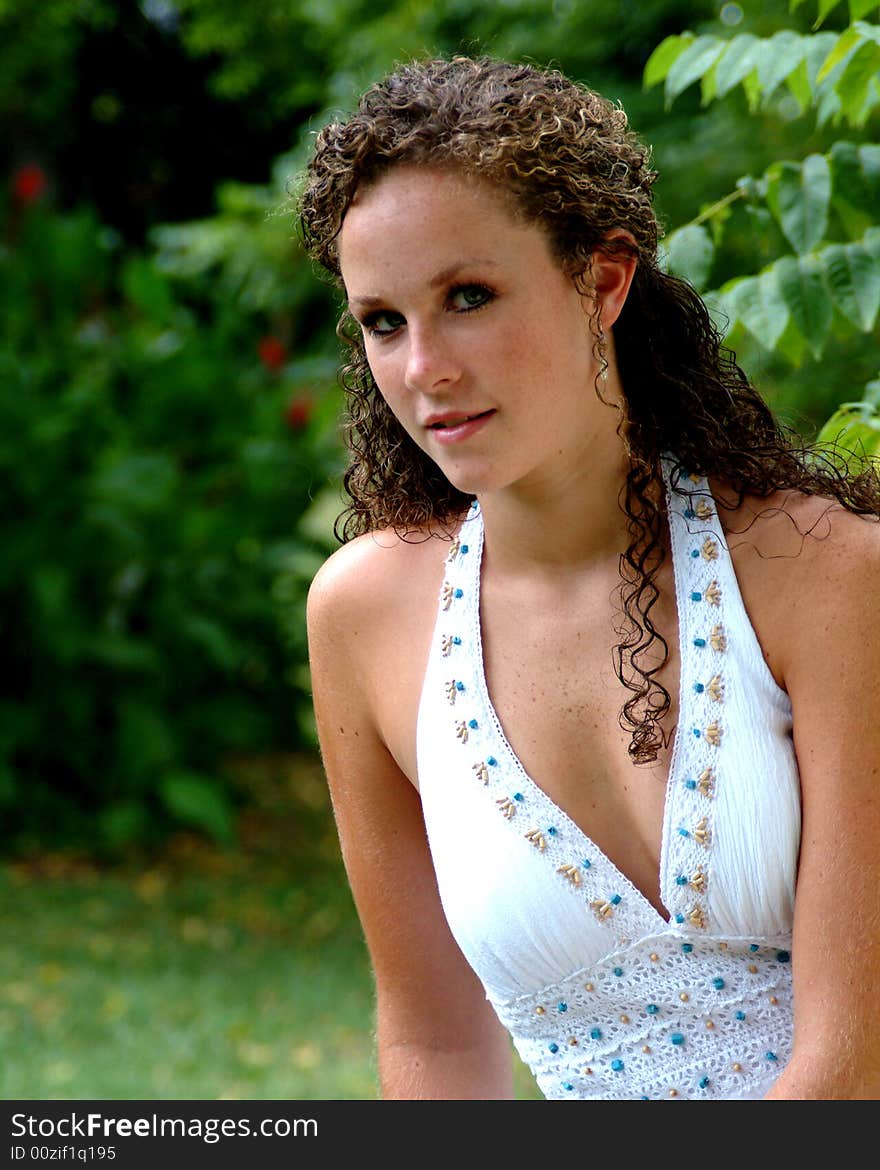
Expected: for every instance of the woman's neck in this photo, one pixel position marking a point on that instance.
(575, 523)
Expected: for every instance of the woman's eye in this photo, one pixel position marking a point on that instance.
(470, 296)
(382, 324)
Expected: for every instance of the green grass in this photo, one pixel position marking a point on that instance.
(202, 973)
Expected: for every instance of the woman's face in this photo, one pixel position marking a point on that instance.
(479, 343)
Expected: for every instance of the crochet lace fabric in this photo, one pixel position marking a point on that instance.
(664, 1017)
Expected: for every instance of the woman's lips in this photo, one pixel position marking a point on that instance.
(455, 427)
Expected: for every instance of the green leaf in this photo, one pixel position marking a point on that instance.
(871, 243)
(856, 80)
(708, 87)
(782, 54)
(827, 106)
(690, 253)
(799, 197)
(147, 288)
(846, 44)
(791, 345)
(872, 393)
(798, 82)
(196, 800)
(741, 56)
(658, 64)
(145, 737)
(802, 286)
(123, 823)
(213, 640)
(860, 8)
(697, 59)
(825, 6)
(853, 276)
(817, 48)
(855, 426)
(855, 174)
(139, 482)
(122, 653)
(757, 302)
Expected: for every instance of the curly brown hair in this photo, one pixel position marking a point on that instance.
(567, 160)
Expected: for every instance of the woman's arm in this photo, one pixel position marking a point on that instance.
(831, 662)
(437, 1035)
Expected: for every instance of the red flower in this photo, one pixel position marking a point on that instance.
(298, 412)
(272, 353)
(28, 184)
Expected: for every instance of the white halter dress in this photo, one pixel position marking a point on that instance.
(603, 996)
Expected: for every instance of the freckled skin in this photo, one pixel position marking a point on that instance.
(526, 353)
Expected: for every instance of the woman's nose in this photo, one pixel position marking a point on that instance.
(430, 363)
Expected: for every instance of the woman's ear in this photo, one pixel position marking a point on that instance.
(612, 271)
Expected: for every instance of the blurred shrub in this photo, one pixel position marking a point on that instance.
(160, 440)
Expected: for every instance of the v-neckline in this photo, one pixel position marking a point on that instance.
(685, 711)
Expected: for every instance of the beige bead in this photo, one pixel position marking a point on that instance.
(654, 957)
(696, 917)
(673, 1092)
(714, 733)
(624, 1019)
(646, 1048)
(737, 1068)
(706, 783)
(573, 1041)
(539, 1011)
(537, 839)
(710, 1024)
(589, 987)
(774, 1000)
(683, 996)
(753, 970)
(588, 1071)
(507, 806)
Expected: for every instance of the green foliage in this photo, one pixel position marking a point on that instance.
(169, 439)
(818, 214)
(855, 426)
(38, 78)
(835, 74)
(152, 574)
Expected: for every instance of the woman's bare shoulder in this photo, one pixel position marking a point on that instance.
(376, 576)
(801, 562)
(371, 610)
(789, 526)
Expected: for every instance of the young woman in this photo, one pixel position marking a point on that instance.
(596, 670)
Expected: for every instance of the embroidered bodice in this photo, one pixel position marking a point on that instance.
(604, 996)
